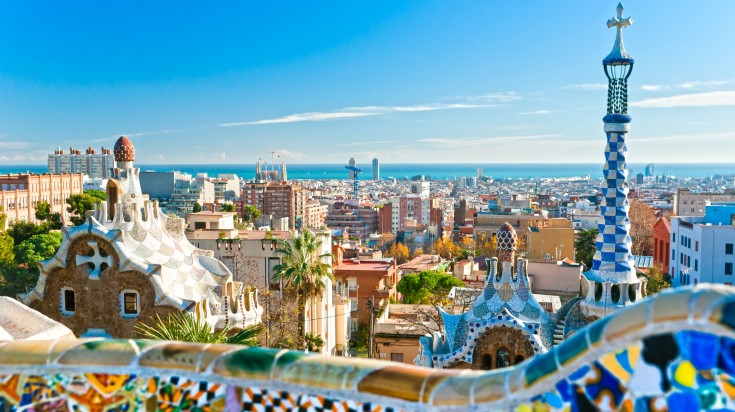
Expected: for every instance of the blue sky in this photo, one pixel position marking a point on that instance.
(320, 82)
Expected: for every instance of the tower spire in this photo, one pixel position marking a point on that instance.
(612, 280)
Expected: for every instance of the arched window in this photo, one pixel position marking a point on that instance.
(518, 359)
(487, 362)
(503, 358)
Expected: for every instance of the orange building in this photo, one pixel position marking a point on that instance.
(662, 244)
(365, 278)
(19, 194)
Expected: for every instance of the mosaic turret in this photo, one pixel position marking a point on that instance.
(612, 280)
(131, 261)
(505, 310)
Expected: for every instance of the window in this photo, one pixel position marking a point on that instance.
(728, 248)
(396, 357)
(696, 246)
(728, 268)
(673, 237)
(129, 304)
(696, 264)
(68, 302)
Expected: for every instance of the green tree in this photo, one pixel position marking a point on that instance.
(43, 211)
(227, 207)
(79, 204)
(657, 281)
(250, 213)
(7, 255)
(21, 231)
(197, 208)
(585, 246)
(16, 279)
(52, 221)
(427, 287)
(3, 219)
(37, 248)
(304, 270)
(180, 326)
(313, 342)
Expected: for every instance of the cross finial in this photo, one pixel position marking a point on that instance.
(619, 21)
(618, 53)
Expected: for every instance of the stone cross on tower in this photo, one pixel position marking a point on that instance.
(96, 259)
(618, 51)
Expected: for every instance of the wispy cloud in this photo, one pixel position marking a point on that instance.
(693, 85)
(535, 112)
(375, 142)
(289, 154)
(689, 138)
(475, 141)
(707, 99)
(359, 111)
(302, 117)
(14, 144)
(500, 97)
(587, 86)
(138, 134)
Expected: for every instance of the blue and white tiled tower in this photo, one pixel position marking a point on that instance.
(612, 281)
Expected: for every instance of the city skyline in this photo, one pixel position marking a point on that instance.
(420, 83)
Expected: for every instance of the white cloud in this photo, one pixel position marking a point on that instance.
(587, 86)
(288, 154)
(14, 145)
(358, 111)
(375, 142)
(223, 155)
(475, 141)
(301, 117)
(715, 98)
(693, 85)
(536, 112)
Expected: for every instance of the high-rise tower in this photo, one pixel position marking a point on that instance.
(376, 169)
(612, 281)
(352, 164)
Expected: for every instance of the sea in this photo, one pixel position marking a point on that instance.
(434, 171)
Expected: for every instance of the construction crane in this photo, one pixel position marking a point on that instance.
(355, 171)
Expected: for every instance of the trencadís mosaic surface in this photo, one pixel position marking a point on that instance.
(674, 351)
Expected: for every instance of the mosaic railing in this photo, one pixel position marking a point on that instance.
(675, 351)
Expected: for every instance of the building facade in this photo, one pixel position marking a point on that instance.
(19, 194)
(688, 203)
(662, 244)
(90, 163)
(702, 247)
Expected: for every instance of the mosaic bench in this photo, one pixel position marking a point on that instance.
(674, 351)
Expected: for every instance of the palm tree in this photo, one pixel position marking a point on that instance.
(304, 270)
(180, 326)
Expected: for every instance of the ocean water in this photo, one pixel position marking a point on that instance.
(440, 171)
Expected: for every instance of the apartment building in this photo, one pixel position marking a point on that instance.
(19, 194)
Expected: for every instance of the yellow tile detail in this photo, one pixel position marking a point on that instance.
(685, 374)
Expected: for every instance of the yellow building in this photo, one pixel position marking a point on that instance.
(550, 240)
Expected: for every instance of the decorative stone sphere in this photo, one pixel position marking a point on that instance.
(124, 150)
(507, 238)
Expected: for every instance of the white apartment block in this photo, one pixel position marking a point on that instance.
(703, 247)
(93, 164)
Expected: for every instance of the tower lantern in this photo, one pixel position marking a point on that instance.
(618, 66)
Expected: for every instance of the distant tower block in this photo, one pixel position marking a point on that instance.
(376, 169)
(352, 164)
(612, 281)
